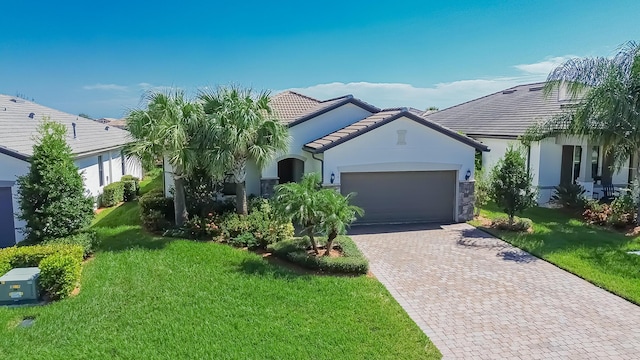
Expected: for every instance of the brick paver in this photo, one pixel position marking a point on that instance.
(478, 297)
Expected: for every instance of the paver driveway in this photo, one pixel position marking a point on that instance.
(477, 297)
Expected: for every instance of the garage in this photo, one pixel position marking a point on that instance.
(7, 228)
(403, 196)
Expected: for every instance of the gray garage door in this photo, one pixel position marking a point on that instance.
(412, 196)
(7, 228)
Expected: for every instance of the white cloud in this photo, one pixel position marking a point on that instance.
(106, 87)
(543, 67)
(441, 95)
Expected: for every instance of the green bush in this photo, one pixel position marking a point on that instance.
(199, 228)
(262, 222)
(52, 197)
(297, 251)
(86, 239)
(135, 180)
(519, 224)
(156, 211)
(112, 194)
(570, 196)
(60, 265)
(129, 190)
(623, 211)
(245, 240)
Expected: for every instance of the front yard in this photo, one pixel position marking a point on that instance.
(593, 253)
(149, 297)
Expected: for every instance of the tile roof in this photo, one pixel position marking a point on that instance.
(378, 119)
(19, 120)
(293, 108)
(508, 112)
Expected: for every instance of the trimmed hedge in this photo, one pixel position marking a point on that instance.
(87, 239)
(60, 265)
(295, 250)
(156, 211)
(112, 194)
(131, 187)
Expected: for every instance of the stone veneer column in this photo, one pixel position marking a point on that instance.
(266, 187)
(466, 200)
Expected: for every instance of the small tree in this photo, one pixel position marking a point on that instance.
(481, 192)
(337, 215)
(52, 197)
(510, 184)
(300, 202)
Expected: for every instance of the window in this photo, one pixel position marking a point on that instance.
(577, 155)
(595, 161)
(100, 170)
(123, 160)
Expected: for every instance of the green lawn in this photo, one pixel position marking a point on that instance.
(593, 253)
(147, 297)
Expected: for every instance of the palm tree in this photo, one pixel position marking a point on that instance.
(300, 202)
(607, 91)
(337, 215)
(243, 130)
(171, 126)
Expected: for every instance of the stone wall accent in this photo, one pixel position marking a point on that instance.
(466, 200)
(266, 187)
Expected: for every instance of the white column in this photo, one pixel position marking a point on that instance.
(586, 177)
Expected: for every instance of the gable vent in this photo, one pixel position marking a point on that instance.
(31, 115)
(509, 91)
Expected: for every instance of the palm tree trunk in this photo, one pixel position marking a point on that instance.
(241, 199)
(179, 202)
(332, 236)
(636, 182)
(312, 239)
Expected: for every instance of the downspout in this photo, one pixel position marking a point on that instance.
(313, 155)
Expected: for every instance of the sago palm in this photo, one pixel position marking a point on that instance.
(337, 215)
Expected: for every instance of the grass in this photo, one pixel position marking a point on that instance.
(148, 297)
(596, 254)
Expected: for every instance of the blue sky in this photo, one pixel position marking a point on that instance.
(99, 57)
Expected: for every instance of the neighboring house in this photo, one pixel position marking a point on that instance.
(499, 119)
(404, 168)
(119, 123)
(97, 149)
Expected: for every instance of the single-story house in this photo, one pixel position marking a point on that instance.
(97, 149)
(403, 167)
(498, 120)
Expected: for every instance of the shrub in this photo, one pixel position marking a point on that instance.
(112, 194)
(297, 251)
(569, 196)
(52, 197)
(622, 211)
(245, 240)
(481, 191)
(156, 211)
(511, 184)
(596, 213)
(86, 239)
(262, 222)
(129, 190)
(198, 228)
(135, 180)
(60, 265)
(518, 224)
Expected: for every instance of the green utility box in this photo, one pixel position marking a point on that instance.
(19, 286)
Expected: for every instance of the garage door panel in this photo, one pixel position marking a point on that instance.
(402, 196)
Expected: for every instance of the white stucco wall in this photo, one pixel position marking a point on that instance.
(313, 129)
(11, 168)
(378, 150)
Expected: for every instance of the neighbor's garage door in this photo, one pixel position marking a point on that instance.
(7, 228)
(412, 196)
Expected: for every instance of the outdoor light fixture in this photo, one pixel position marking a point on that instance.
(468, 175)
(333, 177)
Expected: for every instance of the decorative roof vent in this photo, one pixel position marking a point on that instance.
(510, 91)
(106, 128)
(74, 130)
(31, 115)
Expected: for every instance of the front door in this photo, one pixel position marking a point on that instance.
(570, 167)
(7, 227)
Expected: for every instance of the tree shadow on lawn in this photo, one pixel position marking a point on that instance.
(128, 237)
(263, 267)
(479, 239)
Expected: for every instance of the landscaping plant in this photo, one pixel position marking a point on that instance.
(511, 184)
(53, 201)
(570, 196)
(337, 215)
(481, 191)
(112, 194)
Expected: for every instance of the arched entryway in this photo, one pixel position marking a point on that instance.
(290, 170)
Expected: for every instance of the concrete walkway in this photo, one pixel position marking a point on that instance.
(477, 297)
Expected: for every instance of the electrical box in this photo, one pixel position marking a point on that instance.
(19, 286)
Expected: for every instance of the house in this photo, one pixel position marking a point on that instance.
(119, 123)
(498, 120)
(403, 167)
(97, 149)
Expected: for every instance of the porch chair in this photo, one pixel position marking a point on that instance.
(609, 193)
